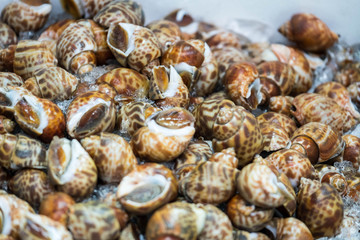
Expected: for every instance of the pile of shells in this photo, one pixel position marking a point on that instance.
(195, 132)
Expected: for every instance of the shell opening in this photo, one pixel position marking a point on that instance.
(175, 81)
(122, 37)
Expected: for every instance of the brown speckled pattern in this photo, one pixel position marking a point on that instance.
(7, 56)
(227, 56)
(112, 154)
(226, 157)
(120, 12)
(352, 150)
(7, 35)
(238, 128)
(244, 235)
(274, 137)
(278, 119)
(281, 104)
(6, 125)
(25, 17)
(10, 79)
(348, 74)
(93, 221)
(167, 32)
(320, 207)
(292, 228)
(247, 216)
(224, 38)
(331, 175)
(18, 151)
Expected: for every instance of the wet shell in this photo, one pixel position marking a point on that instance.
(289, 228)
(281, 104)
(71, 168)
(308, 32)
(348, 73)
(331, 175)
(93, 221)
(317, 141)
(10, 79)
(226, 156)
(353, 187)
(260, 185)
(293, 164)
(312, 107)
(90, 113)
(354, 93)
(320, 207)
(120, 12)
(209, 182)
(26, 15)
(52, 83)
(351, 152)
(18, 151)
(12, 214)
(146, 188)
(236, 127)
(7, 36)
(84, 8)
(133, 45)
(227, 56)
(341, 96)
(247, 216)
(6, 125)
(24, 181)
(244, 235)
(55, 206)
(7, 56)
(167, 32)
(167, 88)
(112, 154)
(132, 116)
(219, 38)
(165, 136)
(184, 20)
(278, 119)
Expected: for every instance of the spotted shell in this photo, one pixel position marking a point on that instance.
(308, 32)
(26, 15)
(184, 20)
(247, 216)
(341, 96)
(167, 88)
(7, 35)
(312, 107)
(167, 32)
(41, 227)
(55, 206)
(351, 151)
(281, 104)
(7, 56)
(290, 228)
(348, 73)
(331, 175)
(85, 8)
(93, 220)
(242, 83)
(132, 116)
(219, 38)
(10, 79)
(226, 156)
(244, 235)
(6, 125)
(236, 127)
(354, 92)
(112, 154)
(24, 181)
(320, 207)
(71, 168)
(209, 182)
(293, 164)
(165, 136)
(133, 45)
(146, 188)
(353, 187)
(227, 56)
(260, 185)
(76, 48)
(120, 12)
(52, 83)
(90, 113)
(319, 142)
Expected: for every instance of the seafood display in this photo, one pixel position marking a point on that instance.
(112, 127)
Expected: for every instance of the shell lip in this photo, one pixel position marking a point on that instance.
(5, 216)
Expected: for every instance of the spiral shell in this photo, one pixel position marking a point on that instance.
(353, 187)
(10, 79)
(227, 56)
(312, 107)
(55, 206)
(112, 154)
(71, 168)
(209, 182)
(85, 8)
(319, 142)
(242, 83)
(12, 214)
(281, 104)
(289, 228)
(219, 38)
(167, 88)
(18, 151)
(354, 93)
(6, 125)
(147, 188)
(7, 36)
(7, 56)
(260, 185)
(247, 216)
(227, 157)
(90, 113)
(320, 207)
(26, 15)
(331, 175)
(244, 235)
(279, 120)
(348, 73)
(238, 128)
(167, 32)
(351, 151)
(308, 32)
(24, 181)
(121, 11)
(184, 20)
(133, 45)
(165, 136)
(52, 83)
(93, 221)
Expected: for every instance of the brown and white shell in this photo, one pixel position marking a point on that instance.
(84, 8)
(331, 175)
(165, 136)
(225, 57)
(6, 125)
(226, 156)
(308, 32)
(71, 168)
(185, 21)
(146, 188)
(7, 36)
(244, 235)
(351, 151)
(281, 104)
(348, 73)
(90, 113)
(167, 32)
(112, 154)
(26, 15)
(10, 79)
(236, 127)
(289, 228)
